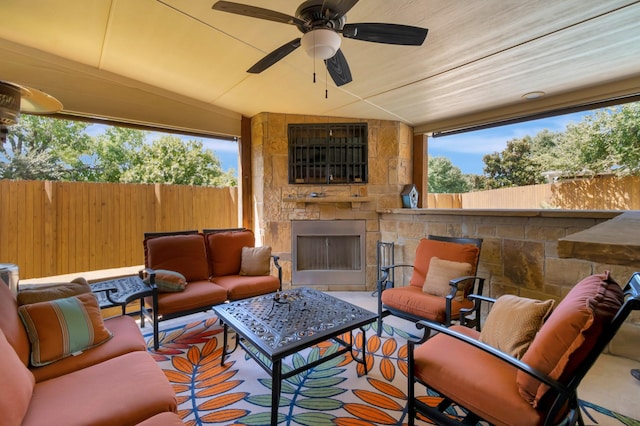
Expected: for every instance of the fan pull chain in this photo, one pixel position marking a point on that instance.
(326, 85)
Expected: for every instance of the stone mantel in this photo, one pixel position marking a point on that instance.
(550, 213)
(354, 200)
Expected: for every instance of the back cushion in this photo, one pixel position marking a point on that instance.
(186, 254)
(225, 251)
(570, 333)
(466, 253)
(11, 324)
(17, 385)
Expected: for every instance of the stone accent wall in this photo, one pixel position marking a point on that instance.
(277, 203)
(519, 253)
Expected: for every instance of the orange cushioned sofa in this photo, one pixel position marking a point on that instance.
(114, 381)
(218, 265)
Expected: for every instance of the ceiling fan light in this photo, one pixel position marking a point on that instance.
(321, 43)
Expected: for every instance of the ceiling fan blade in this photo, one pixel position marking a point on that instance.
(274, 56)
(256, 12)
(337, 7)
(338, 69)
(386, 33)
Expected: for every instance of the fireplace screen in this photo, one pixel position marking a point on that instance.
(331, 252)
(328, 252)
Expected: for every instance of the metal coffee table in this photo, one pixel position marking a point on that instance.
(280, 324)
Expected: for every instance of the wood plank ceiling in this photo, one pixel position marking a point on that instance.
(179, 64)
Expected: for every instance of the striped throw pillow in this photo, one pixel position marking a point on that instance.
(63, 327)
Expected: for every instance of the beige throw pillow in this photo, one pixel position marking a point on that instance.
(513, 322)
(255, 261)
(442, 271)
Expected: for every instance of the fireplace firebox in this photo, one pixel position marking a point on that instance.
(328, 252)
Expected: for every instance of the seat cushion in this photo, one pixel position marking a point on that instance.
(124, 390)
(473, 378)
(241, 287)
(466, 253)
(126, 338)
(167, 418)
(17, 384)
(198, 294)
(186, 254)
(225, 251)
(414, 301)
(570, 333)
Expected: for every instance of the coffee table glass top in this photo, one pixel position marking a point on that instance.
(289, 318)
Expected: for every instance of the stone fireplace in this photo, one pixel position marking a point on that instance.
(328, 252)
(278, 204)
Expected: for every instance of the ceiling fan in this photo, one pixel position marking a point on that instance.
(321, 22)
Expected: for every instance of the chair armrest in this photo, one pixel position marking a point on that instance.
(430, 326)
(482, 298)
(385, 275)
(475, 284)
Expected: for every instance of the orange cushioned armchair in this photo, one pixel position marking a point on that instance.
(443, 276)
(538, 385)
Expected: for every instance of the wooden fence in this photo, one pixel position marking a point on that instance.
(602, 193)
(53, 228)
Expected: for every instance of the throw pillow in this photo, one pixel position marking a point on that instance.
(441, 272)
(62, 327)
(168, 281)
(255, 261)
(43, 293)
(513, 322)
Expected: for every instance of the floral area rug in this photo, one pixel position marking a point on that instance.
(336, 392)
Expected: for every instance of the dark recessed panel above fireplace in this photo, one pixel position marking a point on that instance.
(328, 154)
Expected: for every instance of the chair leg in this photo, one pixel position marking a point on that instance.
(156, 339)
(411, 408)
(380, 287)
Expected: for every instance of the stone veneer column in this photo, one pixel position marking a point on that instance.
(390, 168)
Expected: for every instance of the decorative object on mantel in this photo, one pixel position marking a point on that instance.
(409, 196)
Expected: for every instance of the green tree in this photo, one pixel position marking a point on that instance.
(606, 141)
(171, 160)
(114, 153)
(514, 166)
(444, 177)
(42, 148)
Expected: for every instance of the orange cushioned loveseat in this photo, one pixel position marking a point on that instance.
(217, 265)
(111, 381)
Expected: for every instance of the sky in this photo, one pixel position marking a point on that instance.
(465, 150)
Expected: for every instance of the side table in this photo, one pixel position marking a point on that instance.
(124, 290)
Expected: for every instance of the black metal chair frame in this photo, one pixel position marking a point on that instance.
(471, 316)
(566, 392)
